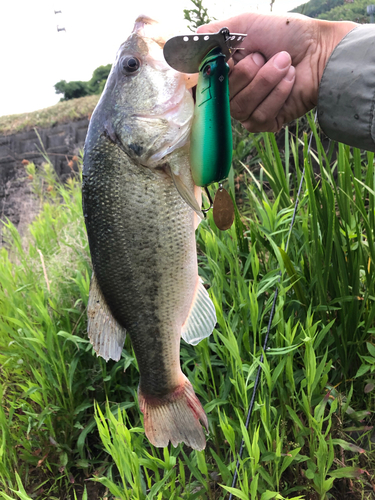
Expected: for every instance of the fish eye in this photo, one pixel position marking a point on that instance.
(130, 64)
(207, 70)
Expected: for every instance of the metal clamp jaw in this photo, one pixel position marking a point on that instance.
(185, 53)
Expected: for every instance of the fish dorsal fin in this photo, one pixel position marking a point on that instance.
(201, 319)
(106, 335)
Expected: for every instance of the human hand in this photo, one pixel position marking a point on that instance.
(275, 78)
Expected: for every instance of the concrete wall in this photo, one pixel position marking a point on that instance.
(16, 200)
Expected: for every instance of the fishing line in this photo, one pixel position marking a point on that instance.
(257, 378)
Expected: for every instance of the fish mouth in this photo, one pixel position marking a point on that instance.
(142, 21)
(146, 27)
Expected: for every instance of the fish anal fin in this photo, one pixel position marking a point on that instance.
(201, 319)
(106, 335)
(176, 417)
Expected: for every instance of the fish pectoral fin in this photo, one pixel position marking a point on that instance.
(201, 319)
(188, 195)
(106, 335)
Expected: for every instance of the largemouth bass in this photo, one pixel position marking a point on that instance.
(141, 209)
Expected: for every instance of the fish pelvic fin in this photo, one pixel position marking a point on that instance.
(106, 335)
(201, 319)
(176, 417)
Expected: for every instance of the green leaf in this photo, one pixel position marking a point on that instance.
(371, 349)
(201, 462)
(224, 471)
(348, 446)
(113, 488)
(294, 279)
(73, 338)
(362, 370)
(294, 417)
(21, 493)
(235, 491)
(289, 459)
(309, 474)
(63, 459)
(83, 406)
(268, 456)
(328, 483)
(158, 486)
(281, 351)
(214, 404)
(268, 495)
(7, 497)
(346, 472)
(82, 437)
(253, 486)
(357, 415)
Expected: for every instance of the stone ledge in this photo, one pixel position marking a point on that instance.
(60, 142)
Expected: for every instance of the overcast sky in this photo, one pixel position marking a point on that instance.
(34, 55)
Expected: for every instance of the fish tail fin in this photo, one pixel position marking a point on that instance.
(176, 417)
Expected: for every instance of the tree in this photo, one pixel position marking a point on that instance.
(98, 79)
(71, 90)
(74, 89)
(336, 10)
(314, 8)
(355, 11)
(197, 16)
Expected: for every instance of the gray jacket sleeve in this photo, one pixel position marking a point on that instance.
(347, 90)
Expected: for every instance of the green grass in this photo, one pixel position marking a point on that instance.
(68, 416)
(62, 112)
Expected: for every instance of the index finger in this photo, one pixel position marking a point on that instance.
(236, 24)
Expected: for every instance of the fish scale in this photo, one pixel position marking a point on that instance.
(138, 195)
(138, 274)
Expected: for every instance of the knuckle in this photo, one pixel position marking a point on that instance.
(282, 91)
(263, 122)
(239, 108)
(251, 127)
(260, 117)
(245, 69)
(265, 79)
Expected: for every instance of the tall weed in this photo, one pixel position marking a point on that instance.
(67, 415)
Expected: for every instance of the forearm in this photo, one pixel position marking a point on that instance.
(347, 90)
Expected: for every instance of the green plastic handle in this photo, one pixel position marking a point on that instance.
(211, 135)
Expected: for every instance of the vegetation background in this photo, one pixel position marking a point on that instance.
(336, 10)
(70, 424)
